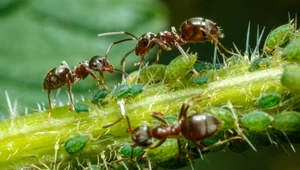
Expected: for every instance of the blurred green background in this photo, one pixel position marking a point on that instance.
(36, 35)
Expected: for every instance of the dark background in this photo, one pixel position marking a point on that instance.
(36, 36)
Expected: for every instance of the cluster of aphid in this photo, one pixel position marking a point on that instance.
(196, 127)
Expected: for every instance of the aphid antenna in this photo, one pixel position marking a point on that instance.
(287, 138)
(255, 53)
(238, 129)
(246, 54)
(11, 111)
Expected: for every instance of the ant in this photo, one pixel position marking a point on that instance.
(193, 30)
(63, 76)
(195, 128)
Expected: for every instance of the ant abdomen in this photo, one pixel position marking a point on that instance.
(199, 126)
(199, 30)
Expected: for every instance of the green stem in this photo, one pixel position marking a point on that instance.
(31, 140)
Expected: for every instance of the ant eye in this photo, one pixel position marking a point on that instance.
(95, 62)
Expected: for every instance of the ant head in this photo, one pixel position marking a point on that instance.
(144, 44)
(141, 136)
(98, 63)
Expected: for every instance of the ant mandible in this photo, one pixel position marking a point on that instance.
(63, 76)
(193, 30)
(195, 128)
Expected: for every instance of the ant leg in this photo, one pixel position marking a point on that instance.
(49, 99)
(156, 116)
(157, 55)
(158, 144)
(179, 147)
(111, 124)
(102, 81)
(117, 42)
(217, 43)
(125, 56)
(70, 95)
(221, 143)
(189, 102)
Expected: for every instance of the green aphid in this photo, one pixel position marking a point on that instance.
(126, 150)
(292, 51)
(291, 78)
(80, 107)
(153, 73)
(233, 60)
(260, 63)
(121, 91)
(99, 96)
(168, 150)
(224, 115)
(179, 67)
(278, 37)
(202, 66)
(269, 100)
(76, 143)
(257, 120)
(201, 80)
(95, 167)
(287, 121)
(136, 89)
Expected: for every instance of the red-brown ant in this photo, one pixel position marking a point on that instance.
(193, 30)
(194, 128)
(63, 76)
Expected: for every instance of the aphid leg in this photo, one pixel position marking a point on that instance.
(117, 42)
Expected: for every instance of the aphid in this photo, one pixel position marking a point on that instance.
(260, 63)
(201, 80)
(193, 30)
(76, 143)
(269, 100)
(278, 37)
(63, 76)
(153, 73)
(80, 107)
(194, 128)
(124, 90)
(292, 51)
(125, 150)
(224, 115)
(179, 67)
(291, 77)
(99, 96)
(287, 121)
(257, 120)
